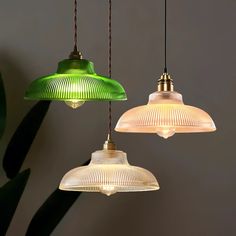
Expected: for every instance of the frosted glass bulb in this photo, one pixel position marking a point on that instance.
(166, 132)
(74, 104)
(108, 190)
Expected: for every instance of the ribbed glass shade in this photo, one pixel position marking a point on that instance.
(109, 172)
(165, 114)
(75, 81)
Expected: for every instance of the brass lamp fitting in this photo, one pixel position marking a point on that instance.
(76, 55)
(109, 144)
(165, 83)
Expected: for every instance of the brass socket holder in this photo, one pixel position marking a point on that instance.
(76, 55)
(165, 83)
(109, 144)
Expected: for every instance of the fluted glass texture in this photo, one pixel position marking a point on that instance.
(75, 80)
(109, 172)
(165, 114)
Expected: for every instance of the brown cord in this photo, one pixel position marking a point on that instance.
(75, 27)
(110, 63)
(110, 38)
(165, 68)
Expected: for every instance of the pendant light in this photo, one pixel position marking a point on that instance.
(75, 81)
(165, 113)
(109, 171)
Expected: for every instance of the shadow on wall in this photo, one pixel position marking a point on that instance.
(56, 206)
(15, 81)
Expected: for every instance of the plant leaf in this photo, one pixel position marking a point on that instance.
(22, 139)
(3, 107)
(10, 195)
(51, 212)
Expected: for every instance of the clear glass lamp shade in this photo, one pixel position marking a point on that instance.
(165, 114)
(75, 82)
(109, 172)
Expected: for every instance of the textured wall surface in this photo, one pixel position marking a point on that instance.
(197, 172)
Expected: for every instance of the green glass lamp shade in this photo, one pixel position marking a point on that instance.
(75, 80)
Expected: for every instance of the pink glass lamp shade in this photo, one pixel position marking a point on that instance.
(165, 114)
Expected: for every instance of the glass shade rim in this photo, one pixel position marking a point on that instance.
(134, 178)
(126, 126)
(119, 188)
(108, 90)
(154, 129)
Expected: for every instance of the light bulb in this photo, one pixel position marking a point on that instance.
(108, 190)
(166, 132)
(74, 104)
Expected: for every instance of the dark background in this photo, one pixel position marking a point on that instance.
(197, 172)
